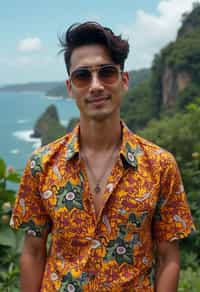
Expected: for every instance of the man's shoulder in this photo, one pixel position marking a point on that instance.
(151, 149)
(53, 146)
(55, 150)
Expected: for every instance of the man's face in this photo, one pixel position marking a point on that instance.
(96, 100)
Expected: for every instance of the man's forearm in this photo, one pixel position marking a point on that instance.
(167, 276)
(31, 272)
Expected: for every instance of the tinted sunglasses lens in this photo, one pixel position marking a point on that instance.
(81, 77)
(109, 74)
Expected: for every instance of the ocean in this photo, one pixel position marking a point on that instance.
(18, 113)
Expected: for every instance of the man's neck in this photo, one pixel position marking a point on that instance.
(100, 136)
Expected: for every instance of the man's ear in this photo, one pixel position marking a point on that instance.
(69, 87)
(125, 81)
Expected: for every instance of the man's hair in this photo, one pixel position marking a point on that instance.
(89, 33)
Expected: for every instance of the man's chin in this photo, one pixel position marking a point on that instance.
(99, 116)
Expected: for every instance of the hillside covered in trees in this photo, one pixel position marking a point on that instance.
(174, 79)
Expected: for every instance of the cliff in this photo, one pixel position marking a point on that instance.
(173, 81)
(177, 66)
(172, 84)
(48, 126)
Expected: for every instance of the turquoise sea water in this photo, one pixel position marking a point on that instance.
(18, 114)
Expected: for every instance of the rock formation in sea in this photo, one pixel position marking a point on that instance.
(48, 126)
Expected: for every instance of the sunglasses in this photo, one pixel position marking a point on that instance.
(107, 74)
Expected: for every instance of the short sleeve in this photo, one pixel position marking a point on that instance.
(172, 219)
(29, 212)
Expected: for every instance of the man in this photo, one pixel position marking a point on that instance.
(110, 199)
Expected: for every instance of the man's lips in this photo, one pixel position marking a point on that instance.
(98, 99)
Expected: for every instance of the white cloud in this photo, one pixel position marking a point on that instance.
(149, 33)
(29, 45)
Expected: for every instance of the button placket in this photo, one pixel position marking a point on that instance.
(112, 183)
(87, 196)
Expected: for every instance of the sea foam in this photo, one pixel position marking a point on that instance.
(25, 135)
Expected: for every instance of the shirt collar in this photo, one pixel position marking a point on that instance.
(73, 145)
(129, 148)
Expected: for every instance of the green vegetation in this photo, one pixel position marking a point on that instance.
(179, 57)
(137, 77)
(59, 91)
(138, 107)
(189, 280)
(180, 60)
(72, 123)
(190, 20)
(48, 126)
(186, 96)
(10, 241)
(183, 54)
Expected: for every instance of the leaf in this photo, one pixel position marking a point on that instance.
(2, 168)
(13, 177)
(127, 259)
(8, 238)
(8, 196)
(14, 289)
(3, 276)
(2, 186)
(19, 235)
(78, 205)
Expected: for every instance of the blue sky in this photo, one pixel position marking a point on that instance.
(29, 31)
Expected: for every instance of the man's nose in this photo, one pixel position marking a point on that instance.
(96, 83)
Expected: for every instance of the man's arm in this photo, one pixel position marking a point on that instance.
(32, 263)
(168, 266)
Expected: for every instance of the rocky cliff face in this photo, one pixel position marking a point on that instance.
(180, 61)
(43, 123)
(48, 126)
(172, 84)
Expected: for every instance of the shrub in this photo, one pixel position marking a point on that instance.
(10, 241)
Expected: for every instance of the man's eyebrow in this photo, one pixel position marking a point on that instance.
(95, 66)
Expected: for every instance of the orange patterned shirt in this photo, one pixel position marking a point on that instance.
(144, 203)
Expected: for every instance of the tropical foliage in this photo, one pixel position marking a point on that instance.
(10, 241)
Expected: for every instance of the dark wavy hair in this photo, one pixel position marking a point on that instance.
(89, 33)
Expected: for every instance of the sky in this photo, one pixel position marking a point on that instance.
(29, 32)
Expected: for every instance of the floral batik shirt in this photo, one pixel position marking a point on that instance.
(144, 203)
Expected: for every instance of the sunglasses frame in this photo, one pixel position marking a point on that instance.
(95, 69)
